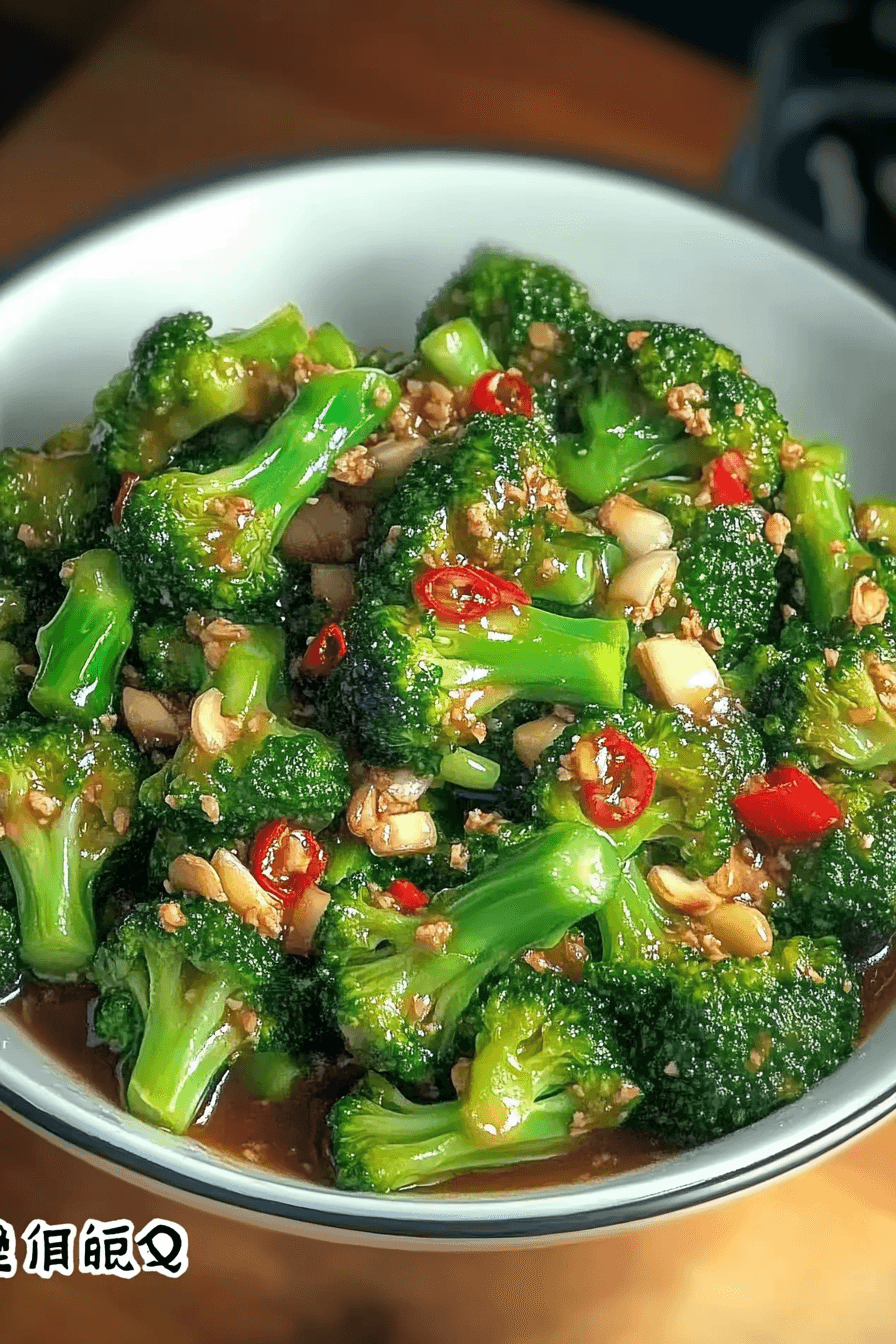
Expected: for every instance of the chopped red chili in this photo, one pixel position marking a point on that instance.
(407, 897)
(286, 860)
(459, 593)
(789, 808)
(325, 651)
(624, 782)
(500, 393)
(728, 476)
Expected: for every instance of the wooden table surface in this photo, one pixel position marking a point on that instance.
(187, 87)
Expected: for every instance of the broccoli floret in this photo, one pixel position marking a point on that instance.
(412, 686)
(546, 1072)
(54, 503)
(13, 683)
(815, 700)
(191, 542)
(816, 499)
(67, 808)
(259, 768)
(181, 380)
(10, 953)
(489, 498)
(220, 445)
(666, 400)
(82, 648)
(170, 659)
(180, 1002)
(699, 766)
(847, 885)
(717, 1045)
(399, 983)
(505, 295)
(727, 573)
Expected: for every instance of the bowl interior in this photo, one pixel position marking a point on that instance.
(364, 242)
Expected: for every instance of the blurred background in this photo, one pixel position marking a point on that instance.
(789, 112)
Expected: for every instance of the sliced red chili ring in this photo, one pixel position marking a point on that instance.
(511, 593)
(407, 897)
(459, 593)
(615, 776)
(325, 651)
(728, 476)
(286, 860)
(789, 808)
(500, 393)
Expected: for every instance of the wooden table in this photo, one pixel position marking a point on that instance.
(186, 87)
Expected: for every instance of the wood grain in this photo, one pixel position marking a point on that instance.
(179, 89)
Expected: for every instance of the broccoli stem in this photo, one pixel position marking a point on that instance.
(574, 577)
(330, 413)
(394, 1143)
(632, 925)
(817, 501)
(458, 352)
(249, 675)
(469, 771)
(616, 450)
(274, 340)
(188, 1040)
(83, 646)
(54, 898)
(535, 655)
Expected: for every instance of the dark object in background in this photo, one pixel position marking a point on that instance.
(31, 62)
(727, 31)
(823, 148)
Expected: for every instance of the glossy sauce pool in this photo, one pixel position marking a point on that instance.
(290, 1137)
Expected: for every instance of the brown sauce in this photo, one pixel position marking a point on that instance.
(290, 1137)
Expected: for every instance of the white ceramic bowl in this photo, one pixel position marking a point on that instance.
(364, 241)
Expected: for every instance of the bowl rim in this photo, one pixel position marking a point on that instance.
(518, 1217)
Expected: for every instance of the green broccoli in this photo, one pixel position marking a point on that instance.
(220, 445)
(191, 542)
(699, 768)
(243, 763)
(875, 523)
(546, 1072)
(182, 996)
(13, 682)
(727, 574)
(170, 659)
(399, 983)
(412, 686)
(815, 700)
(10, 953)
(665, 401)
(82, 648)
(846, 885)
(181, 379)
(718, 1044)
(67, 808)
(506, 296)
(816, 500)
(488, 498)
(54, 503)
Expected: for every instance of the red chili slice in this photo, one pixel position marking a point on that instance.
(789, 808)
(624, 778)
(325, 651)
(286, 860)
(728, 476)
(499, 393)
(407, 897)
(458, 593)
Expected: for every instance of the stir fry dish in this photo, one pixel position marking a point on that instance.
(511, 726)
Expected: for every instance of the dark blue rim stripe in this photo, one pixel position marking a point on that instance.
(421, 1227)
